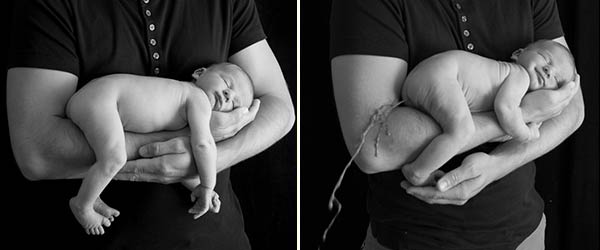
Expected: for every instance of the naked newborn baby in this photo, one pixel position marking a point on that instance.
(106, 107)
(450, 85)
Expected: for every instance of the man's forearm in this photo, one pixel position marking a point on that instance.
(61, 150)
(513, 154)
(275, 118)
(409, 131)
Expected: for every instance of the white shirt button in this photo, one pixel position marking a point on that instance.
(470, 46)
(463, 19)
(146, 1)
(466, 33)
(148, 13)
(156, 71)
(151, 27)
(155, 55)
(153, 42)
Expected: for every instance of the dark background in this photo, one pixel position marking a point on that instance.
(567, 177)
(265, 184)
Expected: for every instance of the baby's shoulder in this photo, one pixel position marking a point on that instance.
(197, 96)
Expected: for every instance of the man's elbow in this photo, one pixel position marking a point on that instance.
(289, 118)
(579, 117)
(370, 164)
(32, 166)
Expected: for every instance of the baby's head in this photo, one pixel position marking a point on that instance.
(226, 85)
(548, 63)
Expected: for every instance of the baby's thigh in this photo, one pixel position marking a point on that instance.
(95, 113)
(443, 100)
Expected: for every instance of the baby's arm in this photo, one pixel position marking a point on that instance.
(204, 149)
(507, 106)
(203, 145)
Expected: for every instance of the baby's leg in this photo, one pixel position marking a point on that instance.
(447, 105)
(99, 120)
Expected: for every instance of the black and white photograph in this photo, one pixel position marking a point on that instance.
(306, 125)
(150, 124)
(404, 86)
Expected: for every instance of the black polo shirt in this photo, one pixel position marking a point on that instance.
(506, 211)
(142, 37)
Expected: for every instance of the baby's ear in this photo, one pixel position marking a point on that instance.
(516, 54)
(197, 73)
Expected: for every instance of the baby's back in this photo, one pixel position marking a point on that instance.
(145, 104)
(478, 77)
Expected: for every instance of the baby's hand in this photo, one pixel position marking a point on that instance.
(205, 199)
(522, 134)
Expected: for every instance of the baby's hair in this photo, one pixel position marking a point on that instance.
(246, 75)
(200, 71)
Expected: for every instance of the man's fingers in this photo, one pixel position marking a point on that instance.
(469, 169)
(144, 177)
(173, 146)
(249, 114)
(455, 177)
(254, 108)
(458, 195)
(144, 170)
(566, 92)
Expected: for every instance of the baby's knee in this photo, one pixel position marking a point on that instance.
(113, 162)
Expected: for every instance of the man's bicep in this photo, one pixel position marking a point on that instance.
(261, 65)
(36, 100)
(362, 84)
(32, 92)
(270, 86)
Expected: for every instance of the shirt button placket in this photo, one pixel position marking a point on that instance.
(153, 49)
(464, 26)
(470, 46)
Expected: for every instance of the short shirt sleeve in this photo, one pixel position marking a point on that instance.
(546, 21)
(42, 37)
(247, 28)
(367, 27)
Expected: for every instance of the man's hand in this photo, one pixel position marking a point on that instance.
(224, 125)
(459, 185)
(164, 162)
(541, 105)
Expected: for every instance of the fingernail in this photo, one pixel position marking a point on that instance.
(443, 185)
(143, 151)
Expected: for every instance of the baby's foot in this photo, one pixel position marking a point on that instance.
(89, 219)
(106, 211)
(202, 197)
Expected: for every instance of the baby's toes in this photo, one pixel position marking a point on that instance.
(106, 222)
(100, 230)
